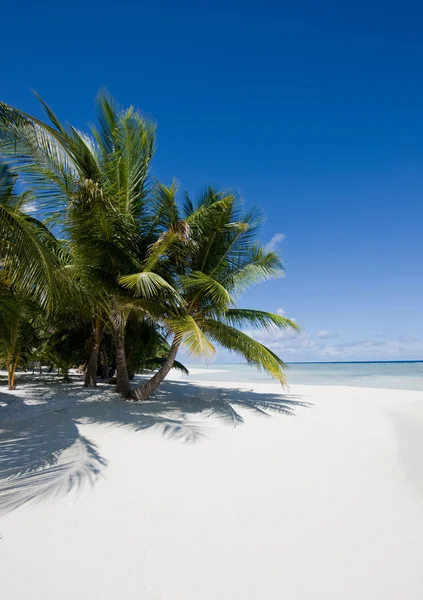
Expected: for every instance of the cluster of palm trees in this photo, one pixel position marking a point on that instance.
(102, 267)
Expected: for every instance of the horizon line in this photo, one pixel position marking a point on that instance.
(325, 362)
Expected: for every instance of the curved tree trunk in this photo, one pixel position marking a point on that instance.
(122, 379)
(91, 369)
(144, 391)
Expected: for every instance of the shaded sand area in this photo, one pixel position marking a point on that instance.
(170, 500)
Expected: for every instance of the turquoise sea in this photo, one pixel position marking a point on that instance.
(395, 375)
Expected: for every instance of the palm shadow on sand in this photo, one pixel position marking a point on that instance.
(44, 455)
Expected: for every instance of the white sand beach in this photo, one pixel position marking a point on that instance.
(168, 500)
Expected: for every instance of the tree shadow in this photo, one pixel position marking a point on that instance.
(43, 458)
(44, 455)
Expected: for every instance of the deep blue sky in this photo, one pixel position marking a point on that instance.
(312, 110)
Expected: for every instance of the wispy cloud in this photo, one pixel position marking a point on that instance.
(291, 345)
(275, 241)
(377, 349)
(280, 311)
(325, 334)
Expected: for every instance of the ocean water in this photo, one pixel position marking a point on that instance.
(391, 375)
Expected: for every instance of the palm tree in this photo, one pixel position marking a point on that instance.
(189, 268)
(62, 341)
(28, 252)
(18, 331)
(212, 256)
(94, 188)
(32, 278)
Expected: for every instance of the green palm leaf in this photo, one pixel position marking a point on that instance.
(41, 154)
(29, 264)
(256, 266)
(236, 341)
(149, 285)
(205, 286)
(156, 362)
(151, 308)
(241, 317)
(188, 332)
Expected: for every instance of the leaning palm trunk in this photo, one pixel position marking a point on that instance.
(144, 391)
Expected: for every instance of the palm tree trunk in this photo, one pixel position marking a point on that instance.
(122, 379)
(91, 370)
(144, 391)
(11, 371)
(66, 377)
(104, 363)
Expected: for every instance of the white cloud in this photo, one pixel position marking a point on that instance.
(325, 334)
(375, 349)
(280, 311)
(275, 241)
(29, 208)
(284, 341)
(303, 346)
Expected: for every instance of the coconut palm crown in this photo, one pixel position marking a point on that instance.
(213, 256)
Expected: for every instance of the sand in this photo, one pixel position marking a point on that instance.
(100, 499)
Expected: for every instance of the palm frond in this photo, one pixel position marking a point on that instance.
(107, 116)
(165, 244)
(236, 341)
(42, 155)
(205, 286)
(135, 136)
(30, 265)
(149, 285)
(7, 183)
(188, 206)
(164, 206)
(240, 317)
(51, 115)
(188, 332)
(144, 307)
(157, 362)
(258, 266)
